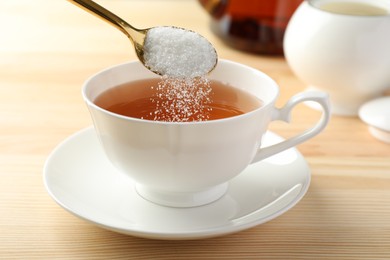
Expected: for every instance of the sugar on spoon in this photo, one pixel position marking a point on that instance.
(165, 50)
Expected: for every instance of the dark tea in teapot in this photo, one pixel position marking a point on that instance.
(251, 25)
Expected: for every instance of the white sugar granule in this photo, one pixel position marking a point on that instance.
(176, 52)
(182, 99)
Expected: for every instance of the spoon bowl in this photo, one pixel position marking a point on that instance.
(147, 56)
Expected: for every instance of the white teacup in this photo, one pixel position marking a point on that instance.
(190, 164)
(345, 54)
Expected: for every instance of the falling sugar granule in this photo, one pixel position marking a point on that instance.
(177, 52)
(182, 100)
(183, 58)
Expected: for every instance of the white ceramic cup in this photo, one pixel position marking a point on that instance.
(190, 164)
(346, 55)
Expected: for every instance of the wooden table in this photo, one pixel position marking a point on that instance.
(47, 50)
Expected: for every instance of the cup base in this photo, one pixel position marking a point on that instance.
(182, 199)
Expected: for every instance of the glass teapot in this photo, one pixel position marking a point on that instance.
(251, 25)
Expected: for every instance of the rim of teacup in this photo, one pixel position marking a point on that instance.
(316, 4)
(264, 106)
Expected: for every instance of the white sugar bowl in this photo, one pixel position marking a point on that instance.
(344, 53)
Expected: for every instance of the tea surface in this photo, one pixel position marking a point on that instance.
(145, 100)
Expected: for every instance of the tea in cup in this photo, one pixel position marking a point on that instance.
(343, 48)
(186, 164)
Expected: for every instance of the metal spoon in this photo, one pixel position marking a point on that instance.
(137, 36)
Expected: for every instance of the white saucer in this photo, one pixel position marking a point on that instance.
(80, 179)
(376, 114)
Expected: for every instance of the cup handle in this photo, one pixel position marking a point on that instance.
(284, 114)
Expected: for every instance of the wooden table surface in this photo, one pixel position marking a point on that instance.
(47, 50)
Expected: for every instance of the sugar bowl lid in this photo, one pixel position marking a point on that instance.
(376, 113)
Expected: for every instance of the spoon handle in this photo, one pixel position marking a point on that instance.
(137, 36)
